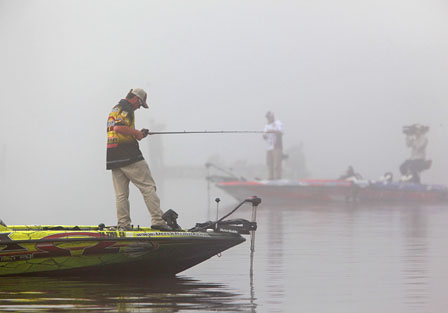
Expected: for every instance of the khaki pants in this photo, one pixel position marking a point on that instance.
(140, 175)
(274, 161)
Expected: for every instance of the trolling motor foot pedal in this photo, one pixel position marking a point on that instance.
(170, 217)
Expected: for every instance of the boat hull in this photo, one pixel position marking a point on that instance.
(401, 192)
(288, 192)
(144, 252)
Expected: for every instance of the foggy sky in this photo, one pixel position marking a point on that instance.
(343, 77)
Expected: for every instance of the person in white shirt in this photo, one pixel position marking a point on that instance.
(273, 133)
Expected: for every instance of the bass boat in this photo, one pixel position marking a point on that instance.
(85, 250)
(286, 192)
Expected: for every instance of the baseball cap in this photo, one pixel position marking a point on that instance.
(139, 92)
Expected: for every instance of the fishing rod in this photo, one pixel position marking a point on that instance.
(147, 132)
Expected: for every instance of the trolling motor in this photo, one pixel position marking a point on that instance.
(255, 202)
(240, 226)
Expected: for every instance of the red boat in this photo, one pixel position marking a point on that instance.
(285, 192)
(290, 192)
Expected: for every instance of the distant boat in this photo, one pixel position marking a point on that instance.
(285, 192)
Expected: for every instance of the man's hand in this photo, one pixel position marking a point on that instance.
(126, 130)
(145, 132)
(138, 135)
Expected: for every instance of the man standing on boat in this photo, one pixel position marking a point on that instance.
(273, 133)
(126, 161)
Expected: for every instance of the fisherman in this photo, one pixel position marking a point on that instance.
(273, 133)
(126, 161)
(417, 141)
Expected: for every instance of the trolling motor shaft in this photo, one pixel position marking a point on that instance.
(255, 202)
(242, 226)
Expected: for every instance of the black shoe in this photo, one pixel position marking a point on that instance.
(162, 227)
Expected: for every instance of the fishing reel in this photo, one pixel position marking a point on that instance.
(145, 132)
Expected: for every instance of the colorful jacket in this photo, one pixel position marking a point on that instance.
(122, 149)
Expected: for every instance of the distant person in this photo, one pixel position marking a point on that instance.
(126, 161)
(273, 133)
(350, 174)
(417, 141)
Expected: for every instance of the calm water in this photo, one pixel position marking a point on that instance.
(314, 258)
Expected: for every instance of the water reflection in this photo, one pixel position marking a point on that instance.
(316, 258)
(353, 258)
(415, 255)
(253, 304)
(18, 294)
(275, 257)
